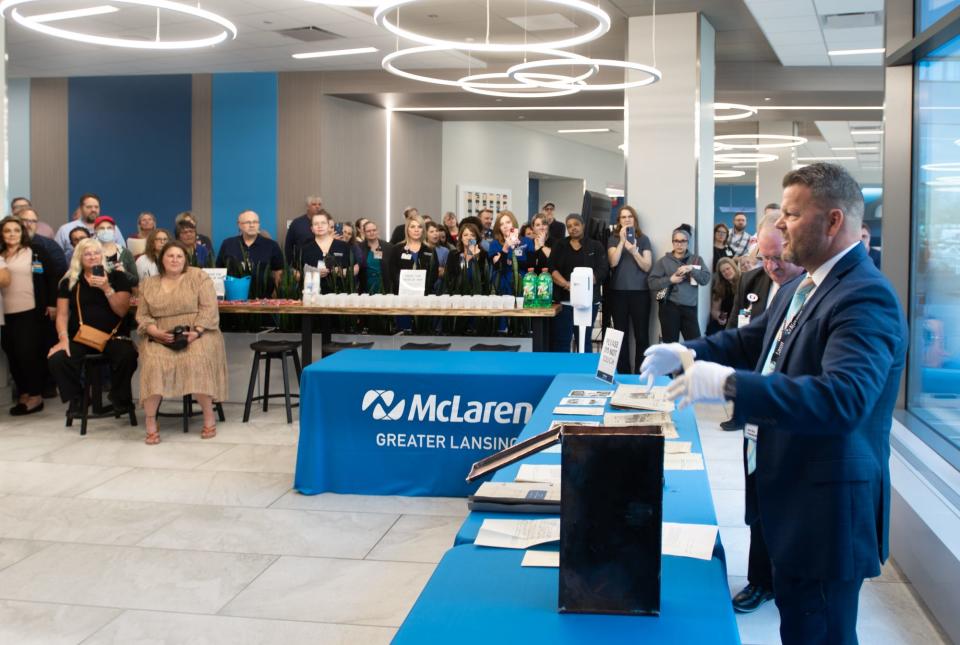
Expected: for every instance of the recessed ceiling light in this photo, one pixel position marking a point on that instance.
(774, 141)
(859, 132)
(498, 108)
(857, 148)
(855, 52)
(336, 52)
(766, 98)
(583, 131)
(826, 158)
(728, 174)
(75, 13)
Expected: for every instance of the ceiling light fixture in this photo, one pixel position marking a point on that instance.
(477, 84)
(503, 108)
(583, 131)
(777, 141)
(229, 29)
(602, 17)
(946, 166)
(75, 13)
(727, 174)
(745, 111)
(855, 52)
(826, 158)
(744, 157)
(521, 73)
(857, 148)
(818, 107)
(347, 3)
(859, 132)
(336, 52)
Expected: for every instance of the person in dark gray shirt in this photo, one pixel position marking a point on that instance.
(676, 277)
(631, 259)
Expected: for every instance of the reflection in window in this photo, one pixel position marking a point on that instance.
(930, 11)
(934, 378)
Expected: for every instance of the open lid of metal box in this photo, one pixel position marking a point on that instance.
(553, 435)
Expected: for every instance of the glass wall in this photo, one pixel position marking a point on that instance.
(930, 11)
(934, 378)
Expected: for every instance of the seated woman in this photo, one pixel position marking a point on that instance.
(96, 295)
(181, 296)
(413, 252)
(147, 263)
(724, 289)
(330, 255)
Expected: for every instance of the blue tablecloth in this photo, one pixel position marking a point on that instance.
(686, 494)
(484, 596)
(413, 422)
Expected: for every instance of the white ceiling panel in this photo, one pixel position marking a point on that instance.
(827, 7)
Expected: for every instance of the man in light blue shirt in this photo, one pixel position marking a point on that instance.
(89, 211)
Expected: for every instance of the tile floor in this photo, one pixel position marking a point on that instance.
(106, 540)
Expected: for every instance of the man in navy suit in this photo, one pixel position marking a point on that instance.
(814, 381)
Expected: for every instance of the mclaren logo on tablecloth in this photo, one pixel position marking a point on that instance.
(381, 400)
(428, 407)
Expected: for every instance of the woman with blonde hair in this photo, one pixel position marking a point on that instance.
(94, 294)
(413, 252)
(182, 347)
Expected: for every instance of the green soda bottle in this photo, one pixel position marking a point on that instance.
(530, 289)
(544, 289)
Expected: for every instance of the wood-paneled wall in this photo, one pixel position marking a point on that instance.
(299, 153)
(201, 122)
(49, 190)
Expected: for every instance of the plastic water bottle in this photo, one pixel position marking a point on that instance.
(544, 289)
(530, 289)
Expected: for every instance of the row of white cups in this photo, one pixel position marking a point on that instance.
(391, 301)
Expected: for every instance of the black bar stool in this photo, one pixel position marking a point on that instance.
(331, 348)
(433, 347)
(188, 411)
(93, 365)
(480, 347)
(268, 350)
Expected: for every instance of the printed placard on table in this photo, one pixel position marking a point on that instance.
(609, 354)
(413, 282)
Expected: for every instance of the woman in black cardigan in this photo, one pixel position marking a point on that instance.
(28, 283)
(413, 252)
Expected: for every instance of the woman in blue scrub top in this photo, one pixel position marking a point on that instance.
(508, 245)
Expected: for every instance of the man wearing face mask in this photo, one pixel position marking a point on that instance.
(115, 255)
(88, 210)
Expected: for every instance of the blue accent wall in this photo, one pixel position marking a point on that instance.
(244, 154)
(732, 198)
(129, 142)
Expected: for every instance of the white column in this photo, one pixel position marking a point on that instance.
(669, 135)
(770, 174)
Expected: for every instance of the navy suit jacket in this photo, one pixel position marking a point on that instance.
(824, 416)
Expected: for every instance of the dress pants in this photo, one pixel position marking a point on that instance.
(817, 612)
(676, 319)
(23, 338)
(631, 309)
(122, 355)
(759, 567)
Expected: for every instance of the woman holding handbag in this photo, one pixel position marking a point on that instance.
(182, 347)
(92, 301)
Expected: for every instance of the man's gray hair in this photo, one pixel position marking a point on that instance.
(314, 198)
(832, 186)
(767, 221)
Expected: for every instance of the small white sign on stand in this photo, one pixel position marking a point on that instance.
(219, 277)
(413, 282)
(609, 354)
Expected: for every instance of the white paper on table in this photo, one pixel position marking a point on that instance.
(548, 474)
(637, 396)
(689, 540)
(518, 534)
(582, 411)
(519, 490)
(596, 394)
(412, 282)
(621, 419)
(541, 559)
(677, 447)
(557, 423)
(582, 400)
(689, 461)
(669, 431)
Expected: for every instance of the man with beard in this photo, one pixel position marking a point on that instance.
(88, 209)
(740, 240)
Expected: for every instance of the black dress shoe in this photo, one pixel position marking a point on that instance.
(750, 598)
(20, 409)
(730, 426)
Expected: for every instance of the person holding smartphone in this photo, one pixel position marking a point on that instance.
(631, 259)
(675, 278)
(507, 245)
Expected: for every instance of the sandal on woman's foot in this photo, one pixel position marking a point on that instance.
(208, 433)
(153, 438)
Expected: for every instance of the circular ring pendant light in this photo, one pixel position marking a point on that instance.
(945, 166)
(476, 85)
(775, 141)
(745, 111)
(521, 73)
(744, 157)
(380, 16)
(727, 174)
(229, 30)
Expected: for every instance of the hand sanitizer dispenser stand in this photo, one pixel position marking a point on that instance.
(581, 299)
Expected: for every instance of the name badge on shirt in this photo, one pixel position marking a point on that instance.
(406, 256)
(743, 319)
(36, 267)
(750, 431)
(378, 255)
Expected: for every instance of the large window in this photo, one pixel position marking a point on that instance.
(930, 11)
(934, 377)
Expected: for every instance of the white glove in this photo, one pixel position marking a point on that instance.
(662, 359)
(702, 383)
